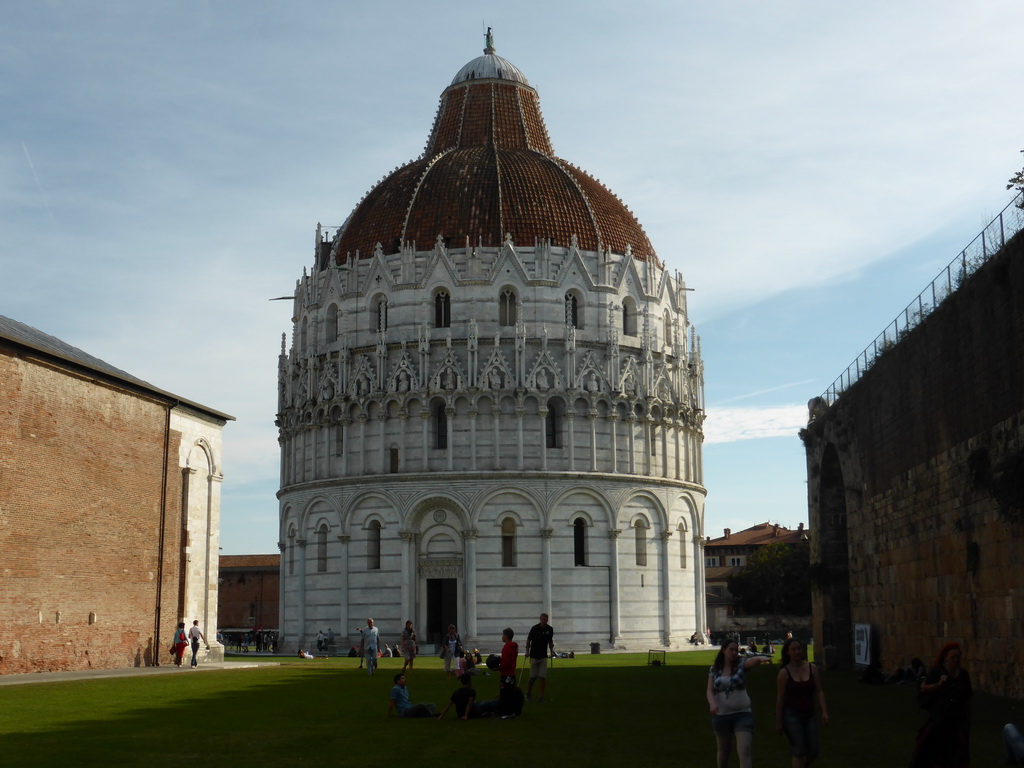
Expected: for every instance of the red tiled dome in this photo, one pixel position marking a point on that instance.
(489, 170)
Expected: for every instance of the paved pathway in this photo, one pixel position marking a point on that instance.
(28, 678)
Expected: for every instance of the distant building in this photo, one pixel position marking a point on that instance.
(726, 556)
(249, 593)
(109, 510)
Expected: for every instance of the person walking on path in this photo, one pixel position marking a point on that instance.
(731, 712)
(539, 642)
(408, 642)
(179, 644)
(369, 645)
(798, 685)
(194, 636)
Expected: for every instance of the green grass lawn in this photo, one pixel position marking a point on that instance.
(608, 709)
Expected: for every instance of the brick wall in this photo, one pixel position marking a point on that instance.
(916, 475)
(248, 592)
(82, 470)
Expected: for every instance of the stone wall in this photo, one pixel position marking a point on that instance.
(916, 489)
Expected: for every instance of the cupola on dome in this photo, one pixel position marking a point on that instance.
(489, 172)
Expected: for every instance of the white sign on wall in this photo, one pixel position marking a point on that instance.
(862, 644)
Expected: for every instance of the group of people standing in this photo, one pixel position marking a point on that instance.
(800, 708)
(732, 718)
(370, 646)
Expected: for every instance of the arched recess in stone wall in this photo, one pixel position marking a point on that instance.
(435, 510)
(316, 508)
(832, 573)
(594, 505)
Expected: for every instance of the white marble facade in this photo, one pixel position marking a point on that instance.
(477, 435)
(475, 430)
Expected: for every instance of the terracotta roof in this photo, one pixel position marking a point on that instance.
(720, 572)
(758, 535)
(250, 561)
(488, 171)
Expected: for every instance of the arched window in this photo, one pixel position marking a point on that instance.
(682, 545)
(373, 546)
(553, 425)
(382, 313)
(579, 541)
(640, 533)
(443, 310)
(440, 427)
(507, 308)
(668, 328)
(321, 548)
(332, 324)
(572, 310)
(508, 543)
(654, 440)
(628, 317)
(291, 552)
(393, 459)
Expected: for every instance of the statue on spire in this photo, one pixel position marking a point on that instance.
(490, 42)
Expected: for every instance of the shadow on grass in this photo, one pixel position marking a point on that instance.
(603, 710)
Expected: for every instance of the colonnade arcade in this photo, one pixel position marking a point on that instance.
(439, 540)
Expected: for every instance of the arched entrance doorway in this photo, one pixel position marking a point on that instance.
(834, 573)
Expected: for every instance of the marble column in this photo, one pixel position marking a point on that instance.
(469, 538)
(631, 425)
(449, 413)
(570, 432)
(542, 415)
(545, 565)
(519, 430)
(300, 578)
(666, 589)
(472, 438)
(613, 587)
(343, 541)
(613, 417)
(425, 418)
(496, 413)
(592, 417)
(408, 574)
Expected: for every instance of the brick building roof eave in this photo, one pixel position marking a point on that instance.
(19, 336)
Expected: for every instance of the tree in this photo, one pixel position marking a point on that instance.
(1017, 182)
(775, 580)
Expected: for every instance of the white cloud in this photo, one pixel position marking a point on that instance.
(730, 425)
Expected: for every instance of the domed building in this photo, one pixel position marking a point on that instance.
(493, 401)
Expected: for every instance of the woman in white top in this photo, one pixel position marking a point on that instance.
(731, 714)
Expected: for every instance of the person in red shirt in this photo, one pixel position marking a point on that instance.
(509, 657)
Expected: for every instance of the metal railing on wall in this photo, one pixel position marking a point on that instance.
(990, 241)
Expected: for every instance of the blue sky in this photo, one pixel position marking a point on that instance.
(808, 166)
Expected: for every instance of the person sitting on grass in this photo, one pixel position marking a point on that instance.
(399, 700)
(464, 701)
